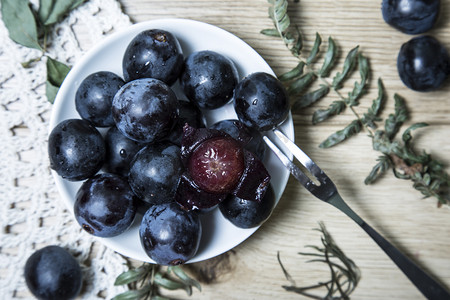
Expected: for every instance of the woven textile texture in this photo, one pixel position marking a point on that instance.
(32, 215)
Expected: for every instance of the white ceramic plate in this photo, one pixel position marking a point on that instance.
(219, 235)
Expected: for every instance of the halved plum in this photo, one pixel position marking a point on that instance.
(216, 166)
(254, 181)
(190, 197)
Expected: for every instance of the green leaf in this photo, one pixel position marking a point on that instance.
(281, 18)
(315, 49)
(52, 11)
(56, 72)
(134, 294)
(330, 58)
(295, 72)
(348, 66)
(270, 32)
(384, 163)
(300, 84)
(335, 108)
(297, 43)
(427, 179)
(358, 89)
(406, 137)
(177, 270)
(132, 275)
(171, 284)
(381, 143)
(19, 20)
(157, 297)
(310, 98)
(371, 116)
(353, 128)
(51, 91)
(129, 295)
(292, 37)
(396, 120)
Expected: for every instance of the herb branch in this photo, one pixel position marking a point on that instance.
(344, 274)
(31, 28)
(312, 79)
(145, 281)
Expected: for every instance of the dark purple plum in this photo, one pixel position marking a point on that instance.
(94, 96)
(76, 149)
(261, 101)
(250, 138)
(235, 128)
(208, 79)
(423, 63)
(145, 110)
(189, 114)
(105, 205)
(169, 234)
(120, 151)
(411, 16)
(248, 214)
(153, 53)
(155, 172)
(52, 273)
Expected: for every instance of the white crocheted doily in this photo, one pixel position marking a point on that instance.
(32, 215)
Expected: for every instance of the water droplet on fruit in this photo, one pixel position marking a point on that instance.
(123, 153)
(254, 102)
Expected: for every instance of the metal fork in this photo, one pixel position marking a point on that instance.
(326, 191)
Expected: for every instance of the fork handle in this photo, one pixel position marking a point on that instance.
(429, 287)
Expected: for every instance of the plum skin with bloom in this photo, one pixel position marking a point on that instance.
(145, 110)
(94, 96)
(169, 234)
(261, 101)
(76, 149)
(411, 16)
(423, 63)
(53, 273)
(105, 205)
(153, 53)
(155, 172)
(208, 79)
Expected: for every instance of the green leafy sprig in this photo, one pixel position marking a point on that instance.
(344, 274)
(31, 28)
(145, 282)
(313, 79)
(427, 174)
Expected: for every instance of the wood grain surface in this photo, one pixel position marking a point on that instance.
(391, 206)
